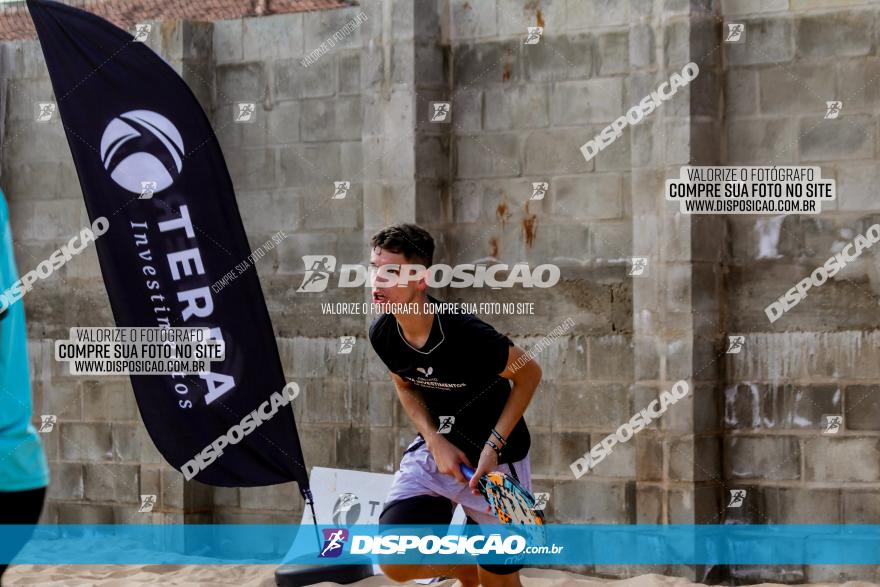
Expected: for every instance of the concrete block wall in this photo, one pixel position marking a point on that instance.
(360, 113)
(520, 114)
(818, 359)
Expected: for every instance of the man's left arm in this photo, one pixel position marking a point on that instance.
(525, 374)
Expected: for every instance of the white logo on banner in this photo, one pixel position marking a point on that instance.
(132, 157)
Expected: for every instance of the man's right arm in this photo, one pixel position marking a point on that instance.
(446, 455)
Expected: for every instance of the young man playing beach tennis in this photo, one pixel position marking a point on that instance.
(453, 378)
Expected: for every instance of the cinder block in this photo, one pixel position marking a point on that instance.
(761, 457)
(694, 504)
(319, 444)
(283, 497)
(649, 504)
(485, 63)
(649, 454)
(488, 156)
(309, 165)
(252, 169)
(557, 152)
(226, 496)
(841, 573)
(694, 459)
(276, 36)
(62, 399)
(324, 120)
(797, 89)
(383, 454)
(732, 7)
(861, 507)
(762, 142)
(78, 513)
(520, 107)
(797, 505)
(862, 407)
(588, 407)
(596, 100)
(112, 482)
(350, 445)
(228, 42)
(132, 443)
(769, 40)
(613, 55)
(282, 123)
(589, 501)
(84, 442)
(23, 94)
(853, 138)
(240, 82)
(108, 401)
(562, 359)
(740, 92)
(66, 481)
(611, 240)
(40, 180)
(294, 81)
(847, 34)
(641, 46)
(842, 459)
(558, 58)
(473, 20)
(620, 463)
(28, 59)
(610, 358)
(349, 73)
(321, 25)
(589, 14)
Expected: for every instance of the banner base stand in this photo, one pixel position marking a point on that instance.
(299, 575)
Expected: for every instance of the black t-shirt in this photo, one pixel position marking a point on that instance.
(457, 372)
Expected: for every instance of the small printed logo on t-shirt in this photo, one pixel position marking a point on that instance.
(425, 380)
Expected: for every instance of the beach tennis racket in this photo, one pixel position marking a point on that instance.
(509, 501)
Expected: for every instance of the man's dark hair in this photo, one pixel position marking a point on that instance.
(410, 240)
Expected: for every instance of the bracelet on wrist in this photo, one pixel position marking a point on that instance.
(494, 447)
(500, 438)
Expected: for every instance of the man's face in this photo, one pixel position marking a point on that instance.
(387, 286)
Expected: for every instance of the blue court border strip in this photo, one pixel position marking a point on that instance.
(581, 544)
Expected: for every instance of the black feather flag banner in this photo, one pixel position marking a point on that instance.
(135, 128)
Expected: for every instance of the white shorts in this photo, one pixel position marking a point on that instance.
(418, 475)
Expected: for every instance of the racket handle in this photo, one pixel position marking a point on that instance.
(466, 471)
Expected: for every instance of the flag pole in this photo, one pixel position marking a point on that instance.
(307, 494)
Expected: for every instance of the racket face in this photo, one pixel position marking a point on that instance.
(509, 501)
